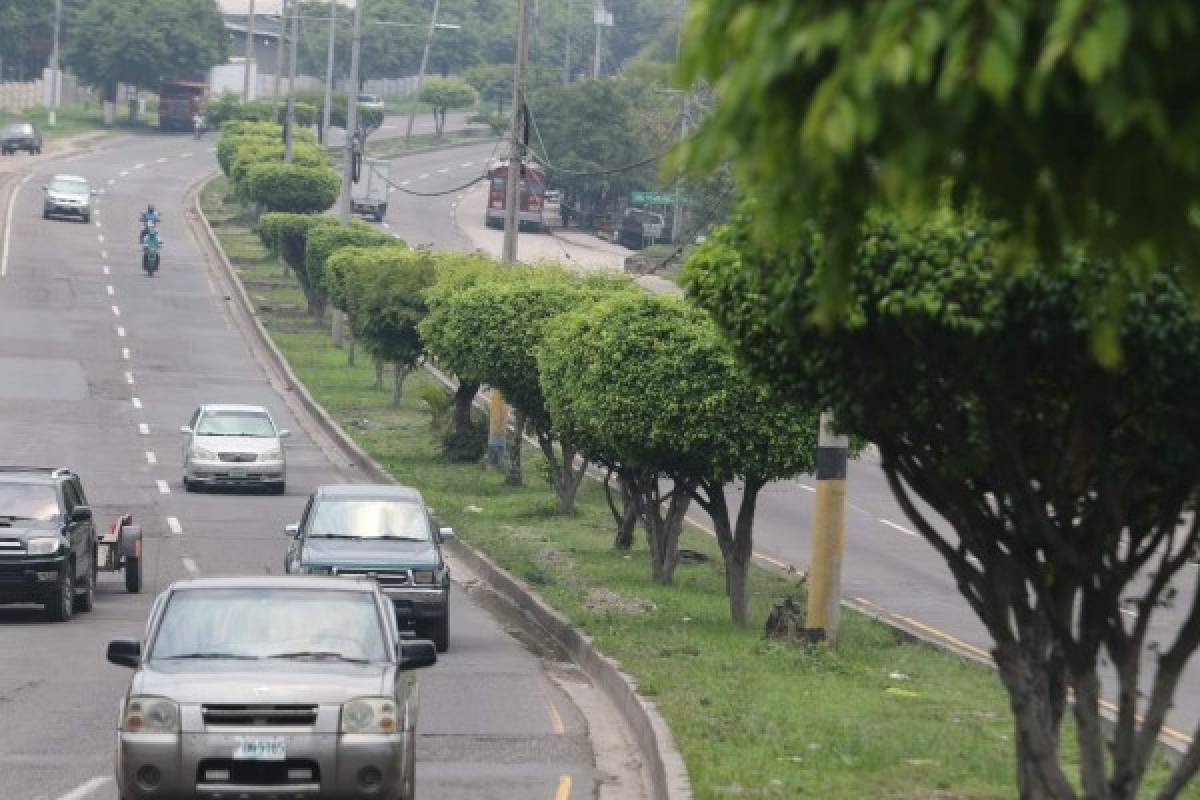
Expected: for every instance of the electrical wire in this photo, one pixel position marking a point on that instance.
(550, 166)
(441, 193)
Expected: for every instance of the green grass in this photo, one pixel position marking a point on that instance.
(78, 118)
(879, 718)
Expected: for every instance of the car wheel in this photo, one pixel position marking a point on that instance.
(85, 598)
(133, 575)
(438, 631)
(278, 488)
(45, 214)
(62, 604)
(87, 218)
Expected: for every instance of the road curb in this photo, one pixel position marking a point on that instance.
(664, 764)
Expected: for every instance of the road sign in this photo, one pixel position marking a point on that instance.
(652, 198)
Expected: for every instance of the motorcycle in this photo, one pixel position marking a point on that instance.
(151, 246)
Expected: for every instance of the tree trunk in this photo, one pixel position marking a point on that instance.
(626, 517)
(378, 373)
(464, 399)
(514, 477)
(1033, 673)
(565, 477)
(399, 373)
(350, 348)
(663, 518)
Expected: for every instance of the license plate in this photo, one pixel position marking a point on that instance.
(259, 748)
(237, 473)
(103, 556)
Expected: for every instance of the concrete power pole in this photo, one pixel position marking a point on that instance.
(351, 116)
(329, 70)
(567, 49)
(55, 68)
(598, 12)
(279, 52)
(250, 59)
(290, 122)
(829, 532)
(498, 412)
(412, 113)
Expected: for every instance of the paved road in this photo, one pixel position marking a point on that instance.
(888, 566)
(98, 368)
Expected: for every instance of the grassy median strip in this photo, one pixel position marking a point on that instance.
(880, 718)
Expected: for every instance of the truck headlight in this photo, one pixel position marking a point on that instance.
(43, 546)
(203, 453)
(272, 455)
(149, 714)
(370, 715)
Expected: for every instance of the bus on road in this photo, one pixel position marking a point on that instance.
(533, 195)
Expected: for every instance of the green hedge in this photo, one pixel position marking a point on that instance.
(292, 187)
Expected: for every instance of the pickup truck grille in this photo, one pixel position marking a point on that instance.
(13, 547)
(394, 578)
(264, 716)
(238, 458)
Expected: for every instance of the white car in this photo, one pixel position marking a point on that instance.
(68, 195)
(371, 101)
(233, 445)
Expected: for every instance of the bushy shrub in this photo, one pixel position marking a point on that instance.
(292, 187)
(220, 108)
(466, 446)
(322, 243)
(439, 402)
(306, 114)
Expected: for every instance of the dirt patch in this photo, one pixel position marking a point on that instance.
(606, 601)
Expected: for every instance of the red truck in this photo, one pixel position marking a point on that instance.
(178, 102)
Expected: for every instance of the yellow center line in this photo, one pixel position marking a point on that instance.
(564, 788)
(556, 722)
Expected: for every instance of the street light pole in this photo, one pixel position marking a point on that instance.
(279, 52)
(351, 116)
(412, 113)
(290, 123)
(329, 70)
(567, 49)
(55, 80)
(250, 59)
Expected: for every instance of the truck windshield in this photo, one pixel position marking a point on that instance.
(260, 623)
(28, 501)
(369, 519)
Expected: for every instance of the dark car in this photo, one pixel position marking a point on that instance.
(640, 228)
(269, 687)
(21, 136)
(47, 541)
(383, 532)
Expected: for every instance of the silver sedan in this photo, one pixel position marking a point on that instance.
(278, 687)
(233, 445)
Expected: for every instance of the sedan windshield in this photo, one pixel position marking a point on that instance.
(270, 623)
(69, 187)
(29, 502)
(235, 423)
(369, 519)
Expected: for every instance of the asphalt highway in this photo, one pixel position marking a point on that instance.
(99, 366)
(888, 568)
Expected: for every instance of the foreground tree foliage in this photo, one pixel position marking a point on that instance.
(1074, 122)
(1064, 482)
(444, 94)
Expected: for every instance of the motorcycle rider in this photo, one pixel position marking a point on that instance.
(149, 218)
(151, 243)
(197, 124)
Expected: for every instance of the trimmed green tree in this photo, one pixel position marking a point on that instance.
(1070, 121)
(292, 187)
(286, 236)
(1064, 482)
(322, 242)
(444, 94)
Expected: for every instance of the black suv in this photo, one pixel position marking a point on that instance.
(47, 541)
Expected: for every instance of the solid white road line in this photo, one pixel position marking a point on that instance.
(137, 402)
(900, 528)
(190, 566)
(120, 332)
(12, 203)
(151, 458)
(85, 789)
(163, 488)
(143, 429)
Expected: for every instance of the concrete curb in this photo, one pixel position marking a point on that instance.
(664, 764)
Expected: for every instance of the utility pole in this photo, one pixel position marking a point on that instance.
(677, 211)
(498, 412)
(599, 30)
(55, 77)
(412, 113)
(829, 532)
(329, 70)
(567, 49)
(250, 59)
(351, 116)
(279, 51)
(290, 122)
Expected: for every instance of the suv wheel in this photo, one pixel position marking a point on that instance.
(85, 596)
(61, 604)
(438, 631)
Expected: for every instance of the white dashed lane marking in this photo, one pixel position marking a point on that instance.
(125, 353)
(163, 488)
(900, 528)
(137, 402)
(86, 789)
(111, 291)
(176, 528)
(143, 429)
(107, 270)
(138, 166)
(124, 172)
(191, 567)
(423, 177)
(466, 164)
(116, 311)
(151, 458)
(161, 161)
(444, 169)
(120, 332)
(129, 378)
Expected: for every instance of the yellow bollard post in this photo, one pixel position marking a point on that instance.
(497, 429)
(829, 533)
